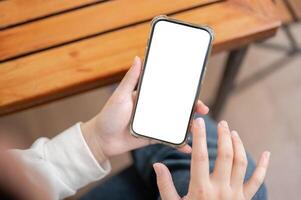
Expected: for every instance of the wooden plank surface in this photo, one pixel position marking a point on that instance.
(296, 6)
(84, 22)
(104, 59)
(283, 11)
(20, 11)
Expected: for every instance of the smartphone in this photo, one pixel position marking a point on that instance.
(169, 85)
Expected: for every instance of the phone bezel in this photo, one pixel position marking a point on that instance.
(171, 20)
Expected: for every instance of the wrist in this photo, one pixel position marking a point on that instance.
(92, 140)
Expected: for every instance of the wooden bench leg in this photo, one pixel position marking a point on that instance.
(232, 67)
(291, 39)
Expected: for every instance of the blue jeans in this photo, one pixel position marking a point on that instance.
(138, 182)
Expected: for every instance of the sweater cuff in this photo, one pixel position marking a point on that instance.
(74, 162)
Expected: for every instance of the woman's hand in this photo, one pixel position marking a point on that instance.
(107, 134)
(227, 180)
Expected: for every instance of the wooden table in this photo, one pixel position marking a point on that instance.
(53, 49)
(289, 13)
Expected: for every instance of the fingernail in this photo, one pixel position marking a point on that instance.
(234, 133)
(136, 60)
(266, 158)
(224, 124)
(200, 121)
(157, 168)
(267, 155)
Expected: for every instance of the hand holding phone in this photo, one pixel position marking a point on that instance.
(108, 134)
(170, 82)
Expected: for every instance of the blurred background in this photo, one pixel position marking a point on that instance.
(264, 107)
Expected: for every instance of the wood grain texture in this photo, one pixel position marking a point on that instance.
(283, 12)
(104, 59)
(85, 22)
(19, 11)
(296, 6)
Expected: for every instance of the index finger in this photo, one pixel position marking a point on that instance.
(199, 157)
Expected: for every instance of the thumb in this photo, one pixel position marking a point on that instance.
(164, 181)
(130, 79)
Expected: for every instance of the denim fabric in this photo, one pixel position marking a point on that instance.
(139, 180)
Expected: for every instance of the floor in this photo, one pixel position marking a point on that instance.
(266, 113)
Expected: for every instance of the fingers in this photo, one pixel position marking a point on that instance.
(185, 149)
(201, 108)
(130, 80)
(134, 95)
(223, 163)
(199, 157)
(253, 184)
(240, 161)
(164, 181)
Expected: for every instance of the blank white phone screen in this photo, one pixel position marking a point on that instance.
(169, 85)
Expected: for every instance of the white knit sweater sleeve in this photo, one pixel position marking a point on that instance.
(65, 162)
